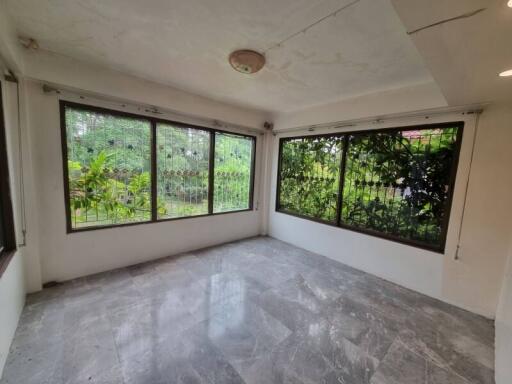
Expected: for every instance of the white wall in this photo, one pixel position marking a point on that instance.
(65, 256)
(12, 282)
(62, 70)
(504, 328)
(12, 299)
(474, 281)
(394, 101)
(16, 132)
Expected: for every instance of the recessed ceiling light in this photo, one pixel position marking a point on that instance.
(506, 73)
(509, 3)
(246, 61)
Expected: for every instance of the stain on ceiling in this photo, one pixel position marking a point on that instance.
(362, 49)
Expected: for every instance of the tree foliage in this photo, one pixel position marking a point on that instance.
(109, 167)
(394, 182)
(310, 176)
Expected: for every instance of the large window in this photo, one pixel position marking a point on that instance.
(7, 237)
(394, 183)
(125, 169)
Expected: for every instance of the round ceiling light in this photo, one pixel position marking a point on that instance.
(506, 73)
(246, 61)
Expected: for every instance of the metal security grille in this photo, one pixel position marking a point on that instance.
(309, 176)
(396, 183)
(121, 168)
(182, 171)
(232, 172)
(108, 168)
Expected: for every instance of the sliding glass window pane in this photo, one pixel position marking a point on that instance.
(398, 183)
(232, 172)
(108, 168)
(182, 171)
(309, 176)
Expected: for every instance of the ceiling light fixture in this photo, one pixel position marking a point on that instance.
(246, 61)
(506, 73)
(509, 3)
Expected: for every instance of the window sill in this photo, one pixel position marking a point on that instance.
(98, 227)
(368, 232)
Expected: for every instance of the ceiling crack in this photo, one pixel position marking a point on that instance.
(304, 30)
(463, 16)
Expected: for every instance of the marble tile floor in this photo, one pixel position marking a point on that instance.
(253, 311)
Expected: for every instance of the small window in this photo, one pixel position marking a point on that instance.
(395, 183)
(232, 172)
(7, 237)
(122, 169)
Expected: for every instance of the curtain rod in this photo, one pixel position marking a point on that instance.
(427, 113)
(147, 109)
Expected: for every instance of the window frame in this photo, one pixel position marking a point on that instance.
(211, 179)
(339, 203)
(7, 215)
(282, 140)
(63, 104)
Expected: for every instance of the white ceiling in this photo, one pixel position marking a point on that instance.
(364, 49)
(464, 56)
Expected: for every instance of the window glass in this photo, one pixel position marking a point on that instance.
(108, 168)
(309, 176)
(232, 172)
(398, 183)
(182, 171)
(123, 168)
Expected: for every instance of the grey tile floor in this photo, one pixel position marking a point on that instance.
(254, 311)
